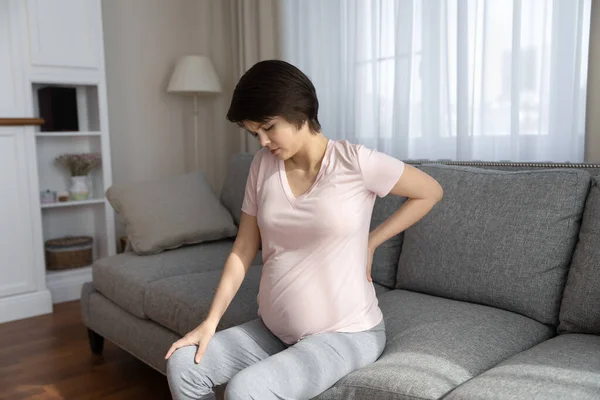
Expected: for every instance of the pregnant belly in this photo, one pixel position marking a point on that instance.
(293, 314)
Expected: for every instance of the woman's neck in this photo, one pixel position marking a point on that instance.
(309, 157)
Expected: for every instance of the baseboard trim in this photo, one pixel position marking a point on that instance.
(26, 305)
(66, 285)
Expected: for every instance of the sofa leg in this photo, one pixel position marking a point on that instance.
(96, 342)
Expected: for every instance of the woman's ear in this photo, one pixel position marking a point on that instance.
(306, 126)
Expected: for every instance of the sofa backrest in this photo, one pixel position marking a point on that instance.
(385, 259)
(580, 309)
(498, 238)
(232, 194)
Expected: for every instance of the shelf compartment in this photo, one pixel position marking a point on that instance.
(84, 112)
(77, 221)
(57, 178)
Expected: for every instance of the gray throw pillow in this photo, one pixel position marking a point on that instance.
(169, 213)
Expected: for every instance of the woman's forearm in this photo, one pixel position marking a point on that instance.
(231, 280)
(407, 215)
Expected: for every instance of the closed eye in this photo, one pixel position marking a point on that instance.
(269, 128)
(255, 135)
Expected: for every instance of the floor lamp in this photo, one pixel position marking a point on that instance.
(194, 75)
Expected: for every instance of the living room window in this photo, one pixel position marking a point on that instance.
(450, 79)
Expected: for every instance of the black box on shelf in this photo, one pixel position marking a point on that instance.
(58, 108)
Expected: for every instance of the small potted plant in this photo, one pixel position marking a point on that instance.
(79, 165)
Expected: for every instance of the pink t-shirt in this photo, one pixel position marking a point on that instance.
(314, 246)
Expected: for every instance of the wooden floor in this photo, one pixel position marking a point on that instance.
(48, 357)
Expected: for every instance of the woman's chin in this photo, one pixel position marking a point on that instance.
(278, 153)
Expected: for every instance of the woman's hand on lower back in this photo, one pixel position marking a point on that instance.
(370, 253)
(200, 337)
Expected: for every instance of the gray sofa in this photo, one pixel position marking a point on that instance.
(495, 294)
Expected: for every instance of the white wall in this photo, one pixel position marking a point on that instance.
(142, 38)
(222, 138)
(592, 143)
(151, 130)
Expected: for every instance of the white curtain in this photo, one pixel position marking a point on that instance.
(256, 33)
(489, 80)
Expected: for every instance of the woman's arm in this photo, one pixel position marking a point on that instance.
(244, 250)
(243, 253)
(423, 193)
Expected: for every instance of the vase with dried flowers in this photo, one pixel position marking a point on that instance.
(79, 165)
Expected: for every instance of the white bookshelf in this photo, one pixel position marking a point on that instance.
(44, 44)
(57, 64)
(91, 217)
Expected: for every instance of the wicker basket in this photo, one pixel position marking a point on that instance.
(68, 252)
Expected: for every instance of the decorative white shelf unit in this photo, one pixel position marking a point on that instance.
(47, 44)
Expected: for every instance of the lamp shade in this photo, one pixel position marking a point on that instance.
(194, 74)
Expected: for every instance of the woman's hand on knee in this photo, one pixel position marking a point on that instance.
(200, 337)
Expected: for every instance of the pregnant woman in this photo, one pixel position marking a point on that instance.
(308, 200)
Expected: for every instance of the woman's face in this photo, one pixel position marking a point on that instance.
(282, 138)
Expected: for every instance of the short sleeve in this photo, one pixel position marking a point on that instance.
(380, 171)
(250, 204)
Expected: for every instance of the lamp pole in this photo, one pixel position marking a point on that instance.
(196, 166)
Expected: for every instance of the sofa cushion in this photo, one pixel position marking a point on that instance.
(498, 238)
(385, 259)
(181, 302)
(169, 213)
(232, 194)
(380, 289)
(434, 345)
(123, 278)
(580, 310)
(565, 367)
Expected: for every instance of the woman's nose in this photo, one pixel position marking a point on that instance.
(264, 139)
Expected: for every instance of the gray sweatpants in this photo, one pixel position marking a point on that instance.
(255, 364)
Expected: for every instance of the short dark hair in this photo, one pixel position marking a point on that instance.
(275, 88)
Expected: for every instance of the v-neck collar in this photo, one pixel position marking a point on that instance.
(286, 185)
